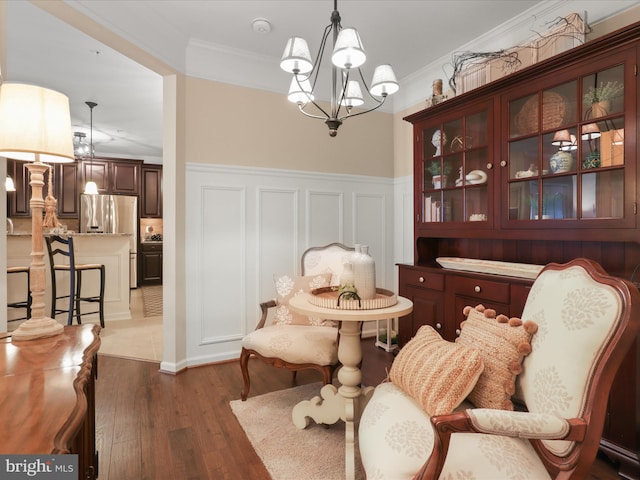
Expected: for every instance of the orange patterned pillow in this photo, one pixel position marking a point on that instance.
(437, 374)
(503, 343)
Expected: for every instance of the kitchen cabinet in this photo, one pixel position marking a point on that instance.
(151, 191)
(151, 263)
(67, 189)
(538, 173)
(65, 186)
(113, 176)
(125, 177)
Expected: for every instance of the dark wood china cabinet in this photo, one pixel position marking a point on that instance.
(537, 167)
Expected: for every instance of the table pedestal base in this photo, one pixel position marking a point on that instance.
(333, 406)
(345, 403)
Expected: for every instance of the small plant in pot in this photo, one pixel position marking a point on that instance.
(600, 97)
(438, 176)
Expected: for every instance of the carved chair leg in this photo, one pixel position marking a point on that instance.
(244, 366)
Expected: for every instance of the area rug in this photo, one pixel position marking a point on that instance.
(315, 453)
(152, 300)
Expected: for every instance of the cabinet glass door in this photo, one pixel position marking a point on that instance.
(455, 164)
(566, 151)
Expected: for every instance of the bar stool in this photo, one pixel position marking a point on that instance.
(75, 271)
(26, 304)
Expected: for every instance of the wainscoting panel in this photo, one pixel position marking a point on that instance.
(277, 239)
(369, 226)
(246, 224)
(217, 278)
(325, 215)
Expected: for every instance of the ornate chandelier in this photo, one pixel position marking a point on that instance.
(348, 55)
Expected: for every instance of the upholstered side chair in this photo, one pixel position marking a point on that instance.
(586, 322)
(287, 340)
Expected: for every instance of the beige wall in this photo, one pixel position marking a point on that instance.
(231, 125)
(614, 23)
(403, 142)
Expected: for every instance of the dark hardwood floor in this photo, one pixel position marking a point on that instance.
(154, 426)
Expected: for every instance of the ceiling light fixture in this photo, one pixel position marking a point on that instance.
(348, 53)
(81, 148)
(90, 188)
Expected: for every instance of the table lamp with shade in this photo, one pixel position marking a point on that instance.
(35, 125)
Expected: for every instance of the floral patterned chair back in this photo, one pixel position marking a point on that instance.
(328, 259)
(578, 317)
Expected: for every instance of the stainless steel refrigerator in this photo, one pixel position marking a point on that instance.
(113, 214)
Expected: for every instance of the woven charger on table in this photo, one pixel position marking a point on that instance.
(327, 297)
(554, 109)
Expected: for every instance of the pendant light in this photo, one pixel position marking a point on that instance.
(9, 186)
(346, 92)
(90, 187)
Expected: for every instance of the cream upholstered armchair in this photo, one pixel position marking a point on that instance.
(292, 341)
(580, 323)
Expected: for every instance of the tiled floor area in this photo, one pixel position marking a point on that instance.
(139, 338)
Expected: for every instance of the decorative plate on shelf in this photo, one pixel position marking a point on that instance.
(510, 269)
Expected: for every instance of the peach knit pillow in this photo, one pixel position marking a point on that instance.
(437, 374)
(503, 343)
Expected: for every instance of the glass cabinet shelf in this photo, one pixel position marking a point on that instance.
(455, 170)
(565, 150)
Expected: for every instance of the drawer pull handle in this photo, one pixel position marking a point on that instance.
(438, 326)
(457, 331)
(421, 279)
(477, 289)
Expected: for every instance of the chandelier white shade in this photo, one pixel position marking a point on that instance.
(348, 51)
(296, 57)
(353, 96)
(300, 91)
(31, 128)
(347, 57)
(384, 81)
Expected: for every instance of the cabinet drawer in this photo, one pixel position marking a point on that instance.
(433, 281)
(482, 289)
(152, 247)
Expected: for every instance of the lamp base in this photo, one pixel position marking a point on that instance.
(35, 328)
